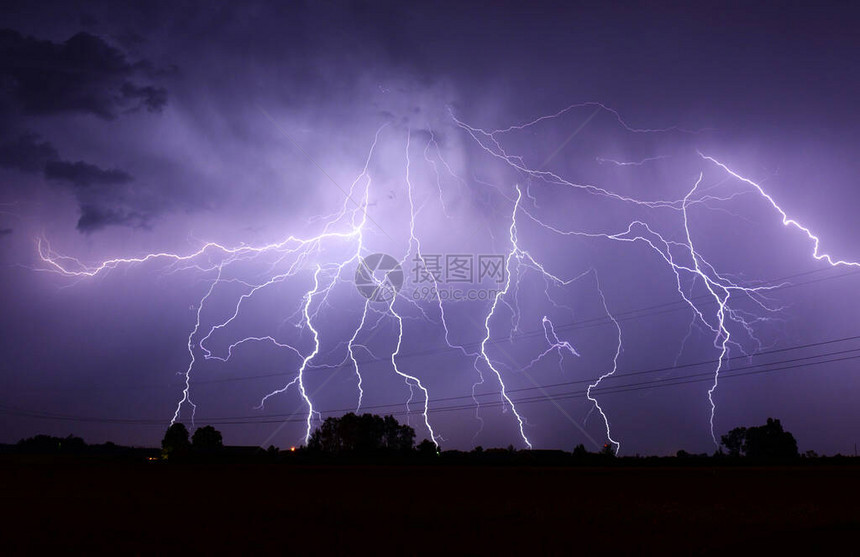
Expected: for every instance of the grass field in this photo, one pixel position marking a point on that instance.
(82, 506)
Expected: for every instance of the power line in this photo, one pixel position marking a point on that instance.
(632, 314)
(697, 378)
(644, 372)
(630, 387)
(575, 325)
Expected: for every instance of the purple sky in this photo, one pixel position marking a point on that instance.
(159, 127)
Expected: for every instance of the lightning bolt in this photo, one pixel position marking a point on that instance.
(513, 253)
(719, 287)
(555, 344)
(300, 377)
(786, 220)
(341, 245)
(411, 380)
(611, 372)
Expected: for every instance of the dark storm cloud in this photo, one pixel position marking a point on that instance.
(95, 217)
(83, 74)
(84, 175)
(153, 98)
(103, 201)
(40, 82)
(27, 153)
(5, 231)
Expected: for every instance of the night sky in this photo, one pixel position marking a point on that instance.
(158, 127)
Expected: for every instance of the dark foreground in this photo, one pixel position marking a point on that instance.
(152, 507)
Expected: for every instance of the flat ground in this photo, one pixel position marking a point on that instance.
(100, 507)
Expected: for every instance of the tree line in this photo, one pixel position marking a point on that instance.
(383, 438)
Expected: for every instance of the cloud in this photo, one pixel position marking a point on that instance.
(96, 217)
(101, 195)
(84, 175)
(84, 74)
(103, 199)
(27, 153)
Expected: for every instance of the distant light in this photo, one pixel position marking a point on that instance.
(292, 449)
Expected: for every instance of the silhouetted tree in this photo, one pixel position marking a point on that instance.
(770, 441)
(766, 442)
(363, 434)
(396, 437)
(427, 448)
(175, 440)
(580, 451)
(734, 440)
(207, 438)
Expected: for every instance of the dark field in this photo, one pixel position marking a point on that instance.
(137, 508)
